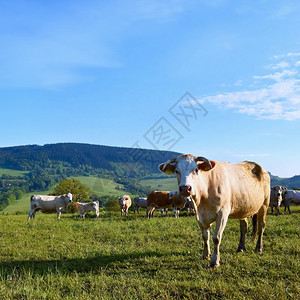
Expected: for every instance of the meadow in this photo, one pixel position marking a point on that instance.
(136, 258)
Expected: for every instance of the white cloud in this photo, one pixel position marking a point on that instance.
(279, 99)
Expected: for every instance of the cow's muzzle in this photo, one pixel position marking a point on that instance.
(185, 190)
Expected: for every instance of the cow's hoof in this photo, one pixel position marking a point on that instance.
(259, 251)
(214, 265)
(241, 249)
(206, 257)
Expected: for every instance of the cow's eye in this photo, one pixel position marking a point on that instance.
(196, 171)
(176, 172)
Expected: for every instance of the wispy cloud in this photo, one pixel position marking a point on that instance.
(277, 98)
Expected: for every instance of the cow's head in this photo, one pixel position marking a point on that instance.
(70, 197)
(123, 201)
(187, 169)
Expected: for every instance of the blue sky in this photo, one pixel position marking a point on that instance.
(215, 78)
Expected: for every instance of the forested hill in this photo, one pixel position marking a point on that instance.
(120, 161)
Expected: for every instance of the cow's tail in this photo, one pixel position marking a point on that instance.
(254, 225)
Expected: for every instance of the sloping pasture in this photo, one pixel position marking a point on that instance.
(136, 258)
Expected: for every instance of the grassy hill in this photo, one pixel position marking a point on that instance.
(11, 172)
(118, 160)
(161, 183)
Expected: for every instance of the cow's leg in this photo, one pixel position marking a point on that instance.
(261, 220)
(272, 210)
(244, 229)
(31, 212)
(277, 211)
(58, 212)
(289, 209)
(205, 236)
(217, 237)
(150, 210)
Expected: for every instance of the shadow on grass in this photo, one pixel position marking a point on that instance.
(80, 265)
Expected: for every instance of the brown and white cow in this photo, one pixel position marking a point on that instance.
(163, 199)
(221, 190)
(83, 208)
(276, 198)
(290, 197)
(49, 204)
(125, 203)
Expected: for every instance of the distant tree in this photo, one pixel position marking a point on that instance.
(112, 205)
(80, 191)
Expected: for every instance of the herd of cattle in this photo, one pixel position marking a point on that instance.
(214, 190)
(164, 200)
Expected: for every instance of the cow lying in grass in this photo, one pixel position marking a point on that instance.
(83, 208)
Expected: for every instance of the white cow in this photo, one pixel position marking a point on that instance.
(139, 202)
(290, 197)
(49, 204)
(83, 208)
(220, 190)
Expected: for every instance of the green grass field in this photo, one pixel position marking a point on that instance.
(136, 258)
(12, 172)
(161, 184)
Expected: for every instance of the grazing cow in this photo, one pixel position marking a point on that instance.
(125, 203)
(49, 204)
(221, 190)
(139, 202)
(276, 198)
(290, 197)
(87, 207)
(163, 200)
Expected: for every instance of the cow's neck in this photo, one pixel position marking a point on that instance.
(201, 188)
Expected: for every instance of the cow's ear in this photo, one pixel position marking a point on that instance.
(168, 167)
(205, 166)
